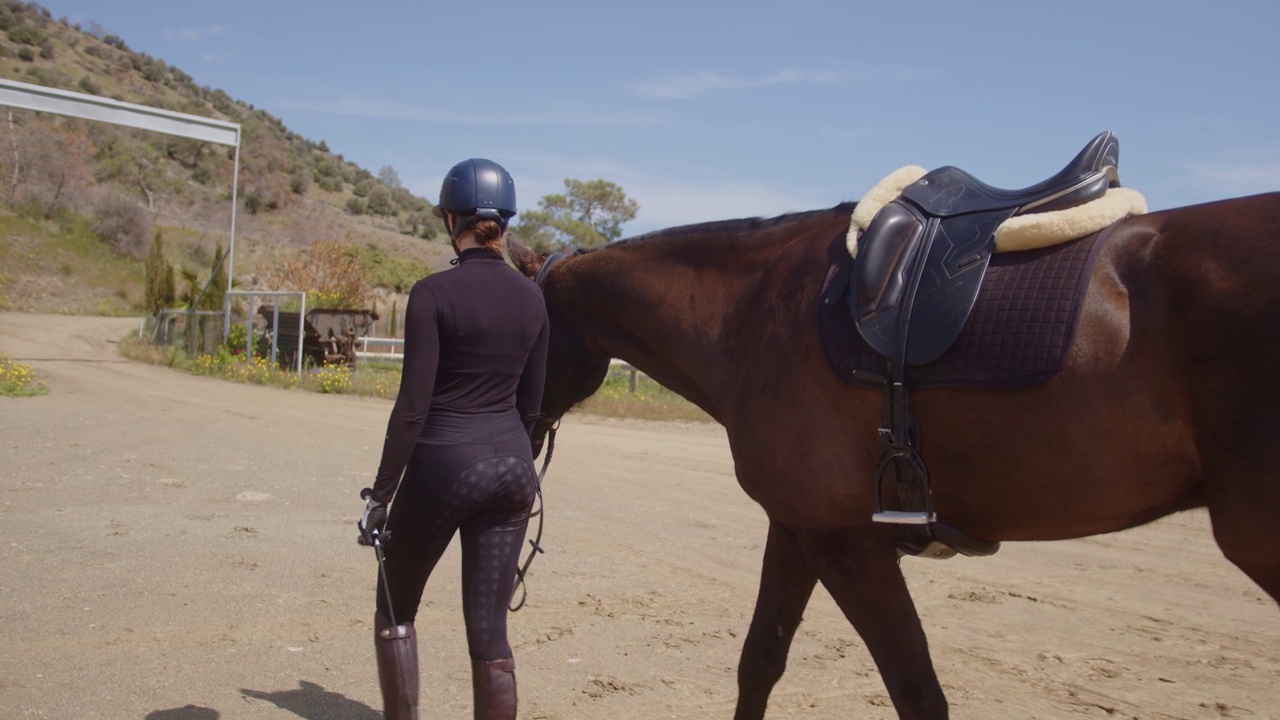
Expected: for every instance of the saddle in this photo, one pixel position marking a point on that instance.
(921, 261)
(922, 258)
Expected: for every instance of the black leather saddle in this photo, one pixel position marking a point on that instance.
(920, 264)
(922, 258)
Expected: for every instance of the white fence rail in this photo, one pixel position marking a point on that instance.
(394, 353)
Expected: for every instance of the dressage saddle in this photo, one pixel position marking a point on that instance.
(922, 258)
(920, 263)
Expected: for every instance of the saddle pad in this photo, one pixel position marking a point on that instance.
(1017, 335)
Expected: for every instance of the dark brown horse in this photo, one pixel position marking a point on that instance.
(1169, 399)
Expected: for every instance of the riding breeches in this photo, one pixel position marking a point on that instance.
(471, 475)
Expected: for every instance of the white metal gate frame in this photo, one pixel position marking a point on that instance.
(253, 295)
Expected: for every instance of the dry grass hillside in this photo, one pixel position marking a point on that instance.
(64, 180)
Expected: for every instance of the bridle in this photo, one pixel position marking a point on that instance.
(536, 543)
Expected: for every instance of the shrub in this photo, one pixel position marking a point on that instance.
(300, 181)
(28, 35)
(391, 273)
(355, 205)
(46, 50)
(25, 54)
(238, 340)
(18, 380)
(331, 269)
(363, 188)
(123, 224)
(89, 85)
(380, 202)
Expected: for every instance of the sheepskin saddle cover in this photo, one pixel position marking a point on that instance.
(1023, 232)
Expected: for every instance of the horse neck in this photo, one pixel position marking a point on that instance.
(679, 304)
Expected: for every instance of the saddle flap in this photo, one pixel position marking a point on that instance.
(883, 276)
(915, 281)
(959, 253)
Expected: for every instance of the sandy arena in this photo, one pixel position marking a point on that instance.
(182, 548)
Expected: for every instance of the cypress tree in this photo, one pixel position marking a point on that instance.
(156, 276)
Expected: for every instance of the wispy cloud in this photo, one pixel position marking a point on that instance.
(219, 57)
(687, 86)
(190, 34)
(386, 110)
(1241, 178)
(683, 87)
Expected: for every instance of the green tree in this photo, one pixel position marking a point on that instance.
(588, 214)
(133, 163)
(170, 286)
(160, 286)
(215, 291)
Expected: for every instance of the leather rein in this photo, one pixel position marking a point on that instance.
(536, 542)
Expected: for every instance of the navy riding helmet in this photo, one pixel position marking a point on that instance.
(477, 189)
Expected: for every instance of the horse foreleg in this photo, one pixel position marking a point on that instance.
(860, 569)
(786, 582)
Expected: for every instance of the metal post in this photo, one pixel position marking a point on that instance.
(302, 320)
(275, 328)
(231, 250)
(235, 187)
(248, 329)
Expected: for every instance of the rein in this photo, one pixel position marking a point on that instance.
(536, 542)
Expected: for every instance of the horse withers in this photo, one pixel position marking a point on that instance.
(1166, 400)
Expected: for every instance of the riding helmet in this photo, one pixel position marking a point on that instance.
(478, 188)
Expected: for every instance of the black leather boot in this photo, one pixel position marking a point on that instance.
(396, 647)
(493, 683)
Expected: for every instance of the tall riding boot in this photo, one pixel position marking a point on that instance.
(396, 647)
(493, 683)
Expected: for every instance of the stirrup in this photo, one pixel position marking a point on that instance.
(901, 517)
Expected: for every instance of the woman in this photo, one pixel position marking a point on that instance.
(457, 455)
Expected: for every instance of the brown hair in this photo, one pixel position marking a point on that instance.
(488, 234)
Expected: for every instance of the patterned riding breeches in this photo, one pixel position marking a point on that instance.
(471, 475)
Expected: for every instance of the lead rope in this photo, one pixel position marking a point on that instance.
(536, 542)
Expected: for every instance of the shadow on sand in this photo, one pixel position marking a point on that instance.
(310, 701)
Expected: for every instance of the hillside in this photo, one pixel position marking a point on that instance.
(63, 176)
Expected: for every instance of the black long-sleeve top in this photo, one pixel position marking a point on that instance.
(475, 341)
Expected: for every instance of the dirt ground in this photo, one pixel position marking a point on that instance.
(182, 548)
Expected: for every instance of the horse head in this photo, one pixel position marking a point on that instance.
(574, 370)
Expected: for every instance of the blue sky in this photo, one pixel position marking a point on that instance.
(708, 111)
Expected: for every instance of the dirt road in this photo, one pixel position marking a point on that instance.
(181, 548)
